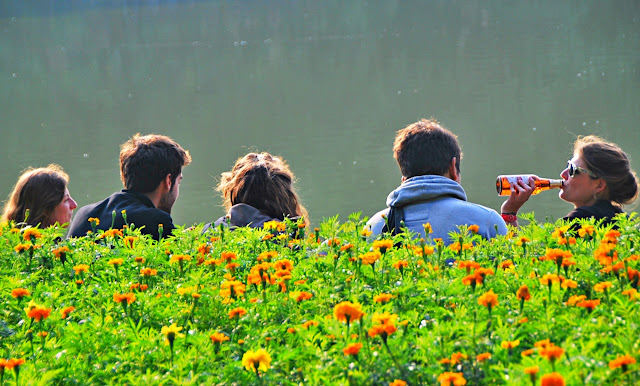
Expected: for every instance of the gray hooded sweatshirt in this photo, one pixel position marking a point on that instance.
(441, 202)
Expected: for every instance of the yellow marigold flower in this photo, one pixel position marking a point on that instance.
(382, 245)
(81, 268)
(301, 295)
(366, 232)
(568, 283)
(549, 279)
(121, 298)
(275, 225)
(237, 313)
(488, 299)
(449, 379)
(483, 356)
(622, 361)
(172, 332)
(117, 261)
(139, 259)
(560, 231)
(283, 265)
(398, 382)
(522, 241)
(384, 318)
(309, 323)
(267, 256)
(256, 360)
(523, 292)
(552, 352)
(382, 298)
(428, 229)
(38, 313)
(112, 233)
(553, 379)
(19, 292)
(23, 247)
(347, 312)
(510, 344)
(532, 370)
(66, 311)
(543, 343)
(218, 337)
(601, 287)
(31, 233)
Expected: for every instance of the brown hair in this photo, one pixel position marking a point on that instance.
(424, 148)
(146, 160)
(38, 190)
(607, 161)
(266, 183)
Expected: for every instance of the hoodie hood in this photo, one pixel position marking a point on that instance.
(425, 188)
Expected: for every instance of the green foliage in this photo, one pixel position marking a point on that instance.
(113, 296)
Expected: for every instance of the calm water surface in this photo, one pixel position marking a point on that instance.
(324, 84)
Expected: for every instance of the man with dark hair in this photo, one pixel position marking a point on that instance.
(429, 159)
(151, 172)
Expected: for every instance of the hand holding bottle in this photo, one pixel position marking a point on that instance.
(521, 189)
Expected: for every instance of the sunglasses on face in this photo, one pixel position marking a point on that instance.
(577, 170)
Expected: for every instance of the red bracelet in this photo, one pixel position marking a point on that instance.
(509, 217)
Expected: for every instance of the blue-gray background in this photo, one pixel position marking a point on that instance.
(325, 84)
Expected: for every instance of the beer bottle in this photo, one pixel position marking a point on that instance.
(503, 183)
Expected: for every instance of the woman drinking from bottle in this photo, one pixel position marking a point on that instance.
(598, 180)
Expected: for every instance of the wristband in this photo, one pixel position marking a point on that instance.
(509, 217)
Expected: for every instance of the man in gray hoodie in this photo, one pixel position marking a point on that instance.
(429, 159)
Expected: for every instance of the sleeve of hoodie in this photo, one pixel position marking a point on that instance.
(499, 227)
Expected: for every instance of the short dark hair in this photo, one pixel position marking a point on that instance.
(609, 162)
(146, 160)
(264, 182)
(425, 148)
(39, 191)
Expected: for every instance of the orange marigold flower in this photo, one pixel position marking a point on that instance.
(528, 352)
(81, 268)
(19, 292)
(631, 293)
(522, 241)
(483, 356)
(549, 279)
(13, 363)
(130, 241)
(60, 251)
(218, 337)
(428, 229)
(552, 352)
(622, 361)
(523, 292)
(115, 262)
(274, 225)
(586, 230)
(488, 299)
(291, 330)
(283, 265)
(384, 318)
(506, 264)
(347, 247)
(347, 311)
(382, 245)
(23, 247)
(468, 265)
(568, 283)
(400, 264)
(457, 357)
(601, 287)
(309, 323)
(398, 382)
(589, 304)
(303, 295)
(148, 272)
(382, 298)
(510, 344)
(237, 313)
(455, 247)
(179, 258)
(38, 313)
(31, 233)
(474, 228)
(370, 257)
(139, 259)
(449, 379)
(573, 300)
(553, 379)
(532, 370)
(352, 349)
(121, 298)
(66, 311)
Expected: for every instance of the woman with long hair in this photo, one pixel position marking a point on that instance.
(598, 181)
(259, 188)
(40, 197)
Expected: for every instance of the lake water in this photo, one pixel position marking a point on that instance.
(325, 84)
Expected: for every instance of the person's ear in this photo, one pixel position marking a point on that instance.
(454, 174)
(404, 179)
(601, 186)
(167, 182)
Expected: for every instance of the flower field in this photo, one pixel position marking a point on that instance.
(550, 304)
